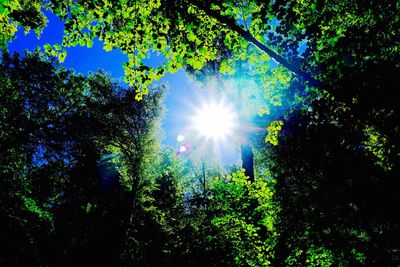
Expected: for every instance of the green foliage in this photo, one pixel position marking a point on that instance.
(319, 256)
(185, 35)
(314, 256)
(36, 95)
(26, 13)
(273, 130)
(359, 256)
(55, 51)
(338, 146)
(245, 217)
(377, 145)
(32, 206)
(55, 127)
(7, 30)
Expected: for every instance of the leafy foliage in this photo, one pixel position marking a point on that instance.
(55, 127)
(273, 131)
(83, 178)
(244, 218)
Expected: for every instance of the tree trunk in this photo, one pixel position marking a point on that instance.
(247, 161)
(245, 148)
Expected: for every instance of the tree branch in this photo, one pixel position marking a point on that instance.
(231, 24)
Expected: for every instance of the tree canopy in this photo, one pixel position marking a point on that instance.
(85, 178)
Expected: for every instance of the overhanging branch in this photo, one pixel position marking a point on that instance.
(231, 24)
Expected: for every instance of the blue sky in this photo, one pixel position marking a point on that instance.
(182, 98)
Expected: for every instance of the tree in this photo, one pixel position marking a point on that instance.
(36, 98)
(68, 143)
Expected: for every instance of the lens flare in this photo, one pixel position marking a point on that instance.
(180, 138)
(182, 149)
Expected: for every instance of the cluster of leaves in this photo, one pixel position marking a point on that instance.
(138, 28)
(244, 219)
(14, 13)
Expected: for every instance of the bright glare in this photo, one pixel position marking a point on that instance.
(180, 138)
(182, 149)
(214, 121)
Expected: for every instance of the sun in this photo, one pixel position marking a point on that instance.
(214, 121)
